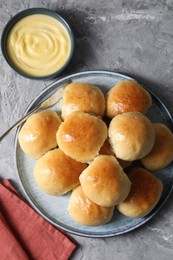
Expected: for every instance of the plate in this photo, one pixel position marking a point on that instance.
(54, 209)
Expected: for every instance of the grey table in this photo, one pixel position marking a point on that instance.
(133, 37)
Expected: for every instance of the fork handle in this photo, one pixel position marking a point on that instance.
(19, 122)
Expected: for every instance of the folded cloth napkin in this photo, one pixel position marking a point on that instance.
(26, 235)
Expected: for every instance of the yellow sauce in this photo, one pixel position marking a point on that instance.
(38, 45)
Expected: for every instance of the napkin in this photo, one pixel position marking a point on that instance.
(24, 234)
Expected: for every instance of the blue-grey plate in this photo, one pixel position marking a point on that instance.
(54, 209)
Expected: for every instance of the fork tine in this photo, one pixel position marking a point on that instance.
(55, 97)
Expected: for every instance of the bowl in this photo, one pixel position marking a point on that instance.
(37, 43)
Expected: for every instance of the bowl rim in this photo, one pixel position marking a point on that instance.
(27, 12)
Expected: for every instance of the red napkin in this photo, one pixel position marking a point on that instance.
(26, 235)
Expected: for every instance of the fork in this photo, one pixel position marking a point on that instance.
(52, 100)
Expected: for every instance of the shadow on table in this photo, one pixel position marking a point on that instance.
(82, 35)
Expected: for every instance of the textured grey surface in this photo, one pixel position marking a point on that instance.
(132, 37)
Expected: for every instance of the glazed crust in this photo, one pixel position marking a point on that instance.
(38, 134)
(56, 173)
(127, 96)
(86, 212)
(81, 136)
(162, 153)
(104, 181)
(131, 136)
(144, 194)
(84, 97)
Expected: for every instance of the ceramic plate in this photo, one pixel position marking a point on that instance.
(54, 209)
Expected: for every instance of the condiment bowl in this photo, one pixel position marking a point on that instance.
(11, 57)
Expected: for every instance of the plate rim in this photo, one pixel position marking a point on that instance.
(57, 84)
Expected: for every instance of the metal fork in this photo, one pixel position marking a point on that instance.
(47, 103)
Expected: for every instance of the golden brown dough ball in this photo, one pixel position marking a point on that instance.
(162, 153)
(127, 96)
(104, 181)
(38, 134)
(84, 97)
(56, 173)
(81, 135)
(86, 212)
(131, 136)
(144, 194)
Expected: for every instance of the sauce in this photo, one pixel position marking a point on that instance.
(38, 45)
